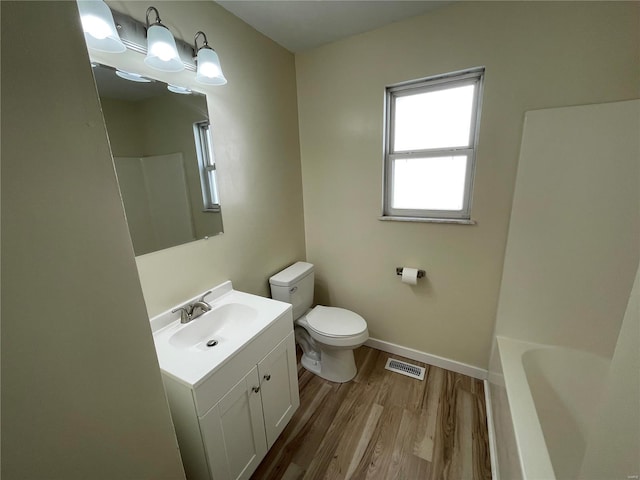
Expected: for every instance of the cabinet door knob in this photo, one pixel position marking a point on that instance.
(255, 389)
(267, 377)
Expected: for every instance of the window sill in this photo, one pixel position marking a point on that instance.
(456, 221)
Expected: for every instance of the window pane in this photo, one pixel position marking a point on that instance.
(438, 119)
(206, 162)
(209, 146)
(213, 193)
(435, 183)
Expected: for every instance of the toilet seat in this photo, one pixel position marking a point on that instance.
(335, 327)
(335, 322)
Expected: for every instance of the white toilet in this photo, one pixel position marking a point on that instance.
(327, 335)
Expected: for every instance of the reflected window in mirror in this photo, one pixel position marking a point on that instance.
(207, 164)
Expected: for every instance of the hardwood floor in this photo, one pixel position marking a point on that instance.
(383, 425)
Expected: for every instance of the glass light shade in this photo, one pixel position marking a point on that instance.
(100, 31)
(162, 53)
(133, 77)
(209, 70)
(179, 89)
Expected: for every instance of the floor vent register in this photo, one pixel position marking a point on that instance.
(404, 368)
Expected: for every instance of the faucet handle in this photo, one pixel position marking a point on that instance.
(202, 303)
(204, 295)
(185, 316)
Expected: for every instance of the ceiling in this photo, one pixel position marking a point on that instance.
(300, 25)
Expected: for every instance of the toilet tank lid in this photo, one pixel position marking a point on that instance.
(291, 274)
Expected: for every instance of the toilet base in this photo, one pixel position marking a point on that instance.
(334, 365)
(310, 364)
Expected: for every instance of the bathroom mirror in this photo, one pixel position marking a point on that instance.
(162, 149)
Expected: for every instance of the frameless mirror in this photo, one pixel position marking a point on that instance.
(161, 143)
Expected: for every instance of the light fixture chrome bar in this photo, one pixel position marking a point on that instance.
(134, 35)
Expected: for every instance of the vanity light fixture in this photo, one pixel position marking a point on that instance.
(208, 70)
(162, 53)
(99, 28)
(108, 30)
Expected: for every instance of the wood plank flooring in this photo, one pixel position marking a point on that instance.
(383, 425)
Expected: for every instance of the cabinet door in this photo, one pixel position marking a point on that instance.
(279, 387)
(233, 431)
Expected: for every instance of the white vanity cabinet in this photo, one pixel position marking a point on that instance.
(234, 431)
(226, 424)
(278, 376)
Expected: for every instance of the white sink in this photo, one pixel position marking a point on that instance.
(191, 352)
(223, 323)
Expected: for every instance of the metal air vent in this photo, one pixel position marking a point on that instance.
(404, 368)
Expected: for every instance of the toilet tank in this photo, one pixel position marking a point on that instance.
(294, 285)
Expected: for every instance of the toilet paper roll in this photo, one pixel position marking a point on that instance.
(410, 275)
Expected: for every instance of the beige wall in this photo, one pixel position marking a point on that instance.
(124, 127)
(82, 395)
(537, 54)
(256, 144)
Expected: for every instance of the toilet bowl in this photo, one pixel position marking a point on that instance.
(335, 333)
(327, 335)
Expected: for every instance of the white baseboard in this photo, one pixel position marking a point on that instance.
(493, 446)
(453, 365)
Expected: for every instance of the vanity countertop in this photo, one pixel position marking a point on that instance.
(193, 351)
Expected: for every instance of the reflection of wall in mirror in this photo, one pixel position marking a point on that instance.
(154, 193)
(160, 126)
(136, 205)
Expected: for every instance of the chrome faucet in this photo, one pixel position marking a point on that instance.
(201, 305)
(193, 310)
(185, 317)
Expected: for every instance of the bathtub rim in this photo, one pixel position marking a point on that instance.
(535, 462)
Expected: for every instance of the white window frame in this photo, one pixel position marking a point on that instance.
(474, 76)
(207, 166)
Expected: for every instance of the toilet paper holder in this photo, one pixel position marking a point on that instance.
(421, 273)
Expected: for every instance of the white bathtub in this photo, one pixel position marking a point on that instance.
(553, 393)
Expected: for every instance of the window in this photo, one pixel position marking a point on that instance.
(430, 141)
(207, 164)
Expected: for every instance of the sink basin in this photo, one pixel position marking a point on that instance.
(235, 320)
(218, 325)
